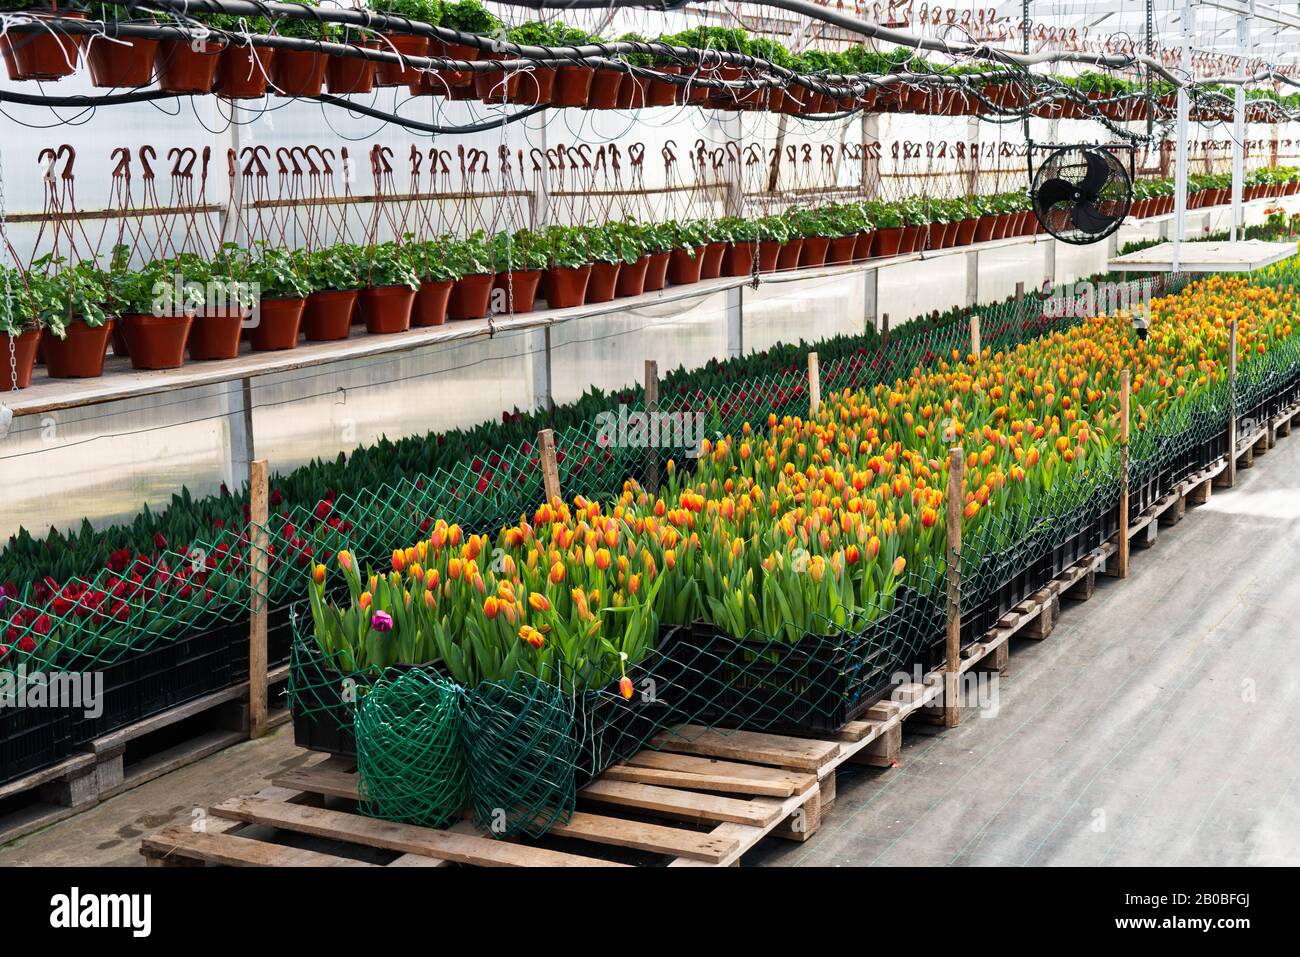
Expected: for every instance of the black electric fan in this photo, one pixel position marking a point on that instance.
(1081, 194)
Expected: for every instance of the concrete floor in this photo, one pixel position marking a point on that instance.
(1154, 727)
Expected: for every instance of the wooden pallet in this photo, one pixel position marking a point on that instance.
(127, 758)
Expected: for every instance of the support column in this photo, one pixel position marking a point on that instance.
(735, 314)
(870, 155)
(972, 277)
(1239, 127)
(239, 428)
(1188, 20)
(870, 298)
(540, 346)
(1049, 260)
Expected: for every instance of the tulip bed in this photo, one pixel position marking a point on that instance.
(798, 550)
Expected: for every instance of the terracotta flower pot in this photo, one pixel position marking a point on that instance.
(387, 309)
(242, 71)
(298, 72)
(431, 303)
(663, 92)
(125, 63)
(888, 241)
(42, 54)
(841, 250)
(684, 266)
(814, 250)
(984, 228)
(631, 278)
(531, 87)
(156, 342)
(471, 297)
(910, 239)
(518, 289)
(24, 348)
(711, 264)
(566, 286)
(862, 246)
(603, 284)
(604, 90)
(632, 92)
(395, 74)
(328, 315)
(216, 336)
(788, 257)
(769, 251)
(352, 74)
(278, 323)
(572, 86)
(183, 69)
(656, 273)
(455, 79)
(740, 259)
(492, 86)
(81, 354)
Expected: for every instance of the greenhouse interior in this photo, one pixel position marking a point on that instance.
(569, 433)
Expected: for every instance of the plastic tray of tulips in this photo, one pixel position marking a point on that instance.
(797, 541)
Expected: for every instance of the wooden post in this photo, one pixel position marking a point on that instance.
(975, 336)
(884, 329)
(1123, 473)
(259, 542)
(652, 414)
(550, 470)
(1232, 405)
(814, 385)
(952, 664)
(1020, 292)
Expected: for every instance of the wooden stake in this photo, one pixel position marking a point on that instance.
(1123, 472)
(259, 546)
(652, 413)
(814, 385)
(550, 469)
(1020, 292)
(975, 336)
(1232, 405)
(884, 329)
(952, 666)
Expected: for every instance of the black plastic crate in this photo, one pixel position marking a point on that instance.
(119, 703)
(173, 672)
(817, 683)
(32, 739)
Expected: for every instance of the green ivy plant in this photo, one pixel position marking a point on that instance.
(389, 264)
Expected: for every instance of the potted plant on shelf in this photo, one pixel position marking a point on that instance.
(20, 331)
(847, 221)
(688, 240)
(518, 259)
(155, 307)
(889, 227)
(228, 303)
(44, 52)
(73, 302)
(123, 61)
(865, 241)
(299, 72)
(715, 250)
(392, 73)
(243, 68)
(569, 266)
(470, 260)
(815, 228)
(391, 283)
(630, 240)
(333, 277)
(437, 277)
(658, 243)
(986, 219)
(281, 290)
(609, 251)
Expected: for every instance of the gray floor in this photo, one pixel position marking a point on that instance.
(1156, 726)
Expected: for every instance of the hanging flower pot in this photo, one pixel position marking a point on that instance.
(471, 297)
(603, 284)
(841, 249)
(121, 61)
(631, 277)
(862, 246)
(391, 73)
(328, 315)
(216, 336)
(632, 92)
(278, 322)
(663, 92)
(24, 347)
(684, 266)
(566, 286)
(80, 354)
(984, 228)
(788, 257)
(353, 74)
(431, 303)
(604, 89)
(656, 273)
(740, 258)
(572, 86)
(531, 87)
(814, 250)
(387, 309)
(156, 342)
(711, 265)
(298, 72)
(518, 289)
(888, 241)
(492, 86)
(455, 79)
(42, 54)
(183, 69)
(242, 71)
